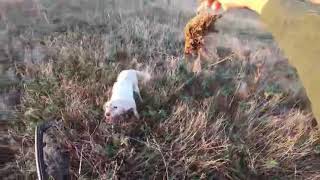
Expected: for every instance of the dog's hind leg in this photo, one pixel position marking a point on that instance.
(137, 90)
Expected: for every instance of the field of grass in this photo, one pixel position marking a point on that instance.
(245, 117)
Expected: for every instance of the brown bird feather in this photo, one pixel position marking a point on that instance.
(194, 33)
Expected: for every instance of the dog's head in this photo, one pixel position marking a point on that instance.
(114, 110)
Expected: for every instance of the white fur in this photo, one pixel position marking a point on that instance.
(122, 98)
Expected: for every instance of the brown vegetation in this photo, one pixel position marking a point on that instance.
(239, 119)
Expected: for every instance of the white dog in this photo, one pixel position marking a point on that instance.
(122, 98)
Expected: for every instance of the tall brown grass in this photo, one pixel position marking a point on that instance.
(207, 130)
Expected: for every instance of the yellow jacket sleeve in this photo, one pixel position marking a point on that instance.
(295, 25)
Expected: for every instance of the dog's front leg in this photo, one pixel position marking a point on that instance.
(136, 114)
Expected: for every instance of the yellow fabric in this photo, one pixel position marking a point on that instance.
(295, 25)
(255, 5)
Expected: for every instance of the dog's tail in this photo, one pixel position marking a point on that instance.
(144, 76)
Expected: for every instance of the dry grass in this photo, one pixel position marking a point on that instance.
(206, 130)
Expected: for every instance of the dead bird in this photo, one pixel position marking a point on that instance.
(194, 33)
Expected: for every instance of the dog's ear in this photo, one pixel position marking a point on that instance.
(130, 110)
